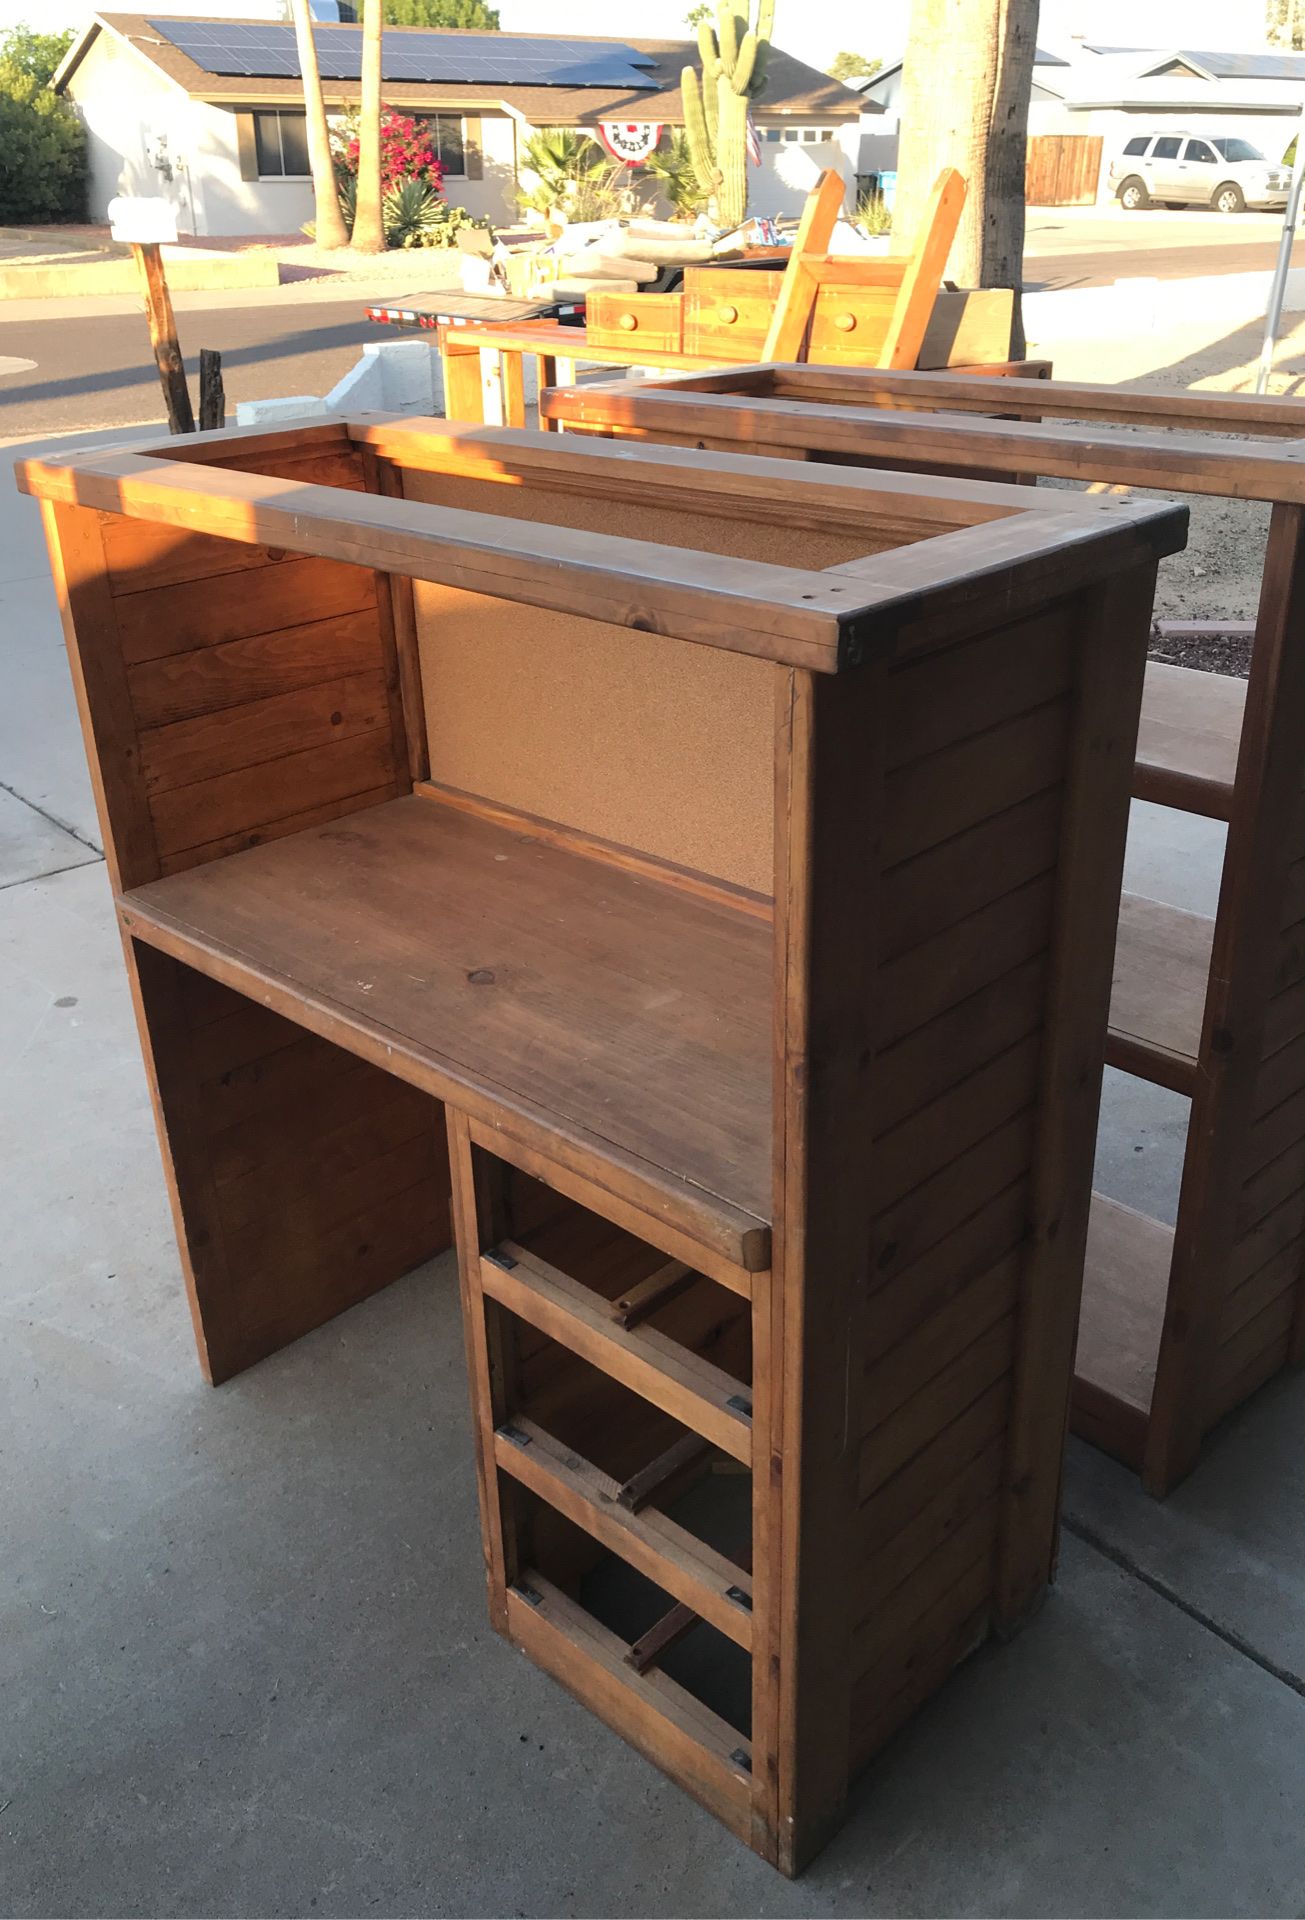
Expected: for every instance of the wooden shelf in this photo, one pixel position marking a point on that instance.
(1188, 739)
(1125, 1285)
(1157, 1001)
(616, 1010)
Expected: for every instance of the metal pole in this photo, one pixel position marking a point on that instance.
(1278, 286)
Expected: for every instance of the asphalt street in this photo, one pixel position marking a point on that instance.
(67, 365)
(97, 371)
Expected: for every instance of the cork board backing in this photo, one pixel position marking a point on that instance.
(655, 743)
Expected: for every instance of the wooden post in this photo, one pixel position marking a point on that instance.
(163, 336)
(212, 393)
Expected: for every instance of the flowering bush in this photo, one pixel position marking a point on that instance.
(406, 150)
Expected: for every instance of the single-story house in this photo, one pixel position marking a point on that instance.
(1117, 92)
(881, 98)
(208, 112)
(1111, 93)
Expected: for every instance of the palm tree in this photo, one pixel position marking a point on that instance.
(330, 228)
(368, 220)
(966, 79)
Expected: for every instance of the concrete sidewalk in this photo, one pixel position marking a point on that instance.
(244, 1661)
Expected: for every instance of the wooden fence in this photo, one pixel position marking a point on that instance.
(1062, 169)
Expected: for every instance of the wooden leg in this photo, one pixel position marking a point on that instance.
(512, 370)
(480, 1217)
(547, 365)
(460, 365)
(301, 1179)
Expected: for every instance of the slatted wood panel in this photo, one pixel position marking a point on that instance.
(304, 1178)
(972, 841)
(1266, 1278)
(258, 696)
(1062, 169)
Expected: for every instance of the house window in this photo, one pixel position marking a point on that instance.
(772, 133)
(446, 137)
(281, 145)
(790, 133)
(810, 133)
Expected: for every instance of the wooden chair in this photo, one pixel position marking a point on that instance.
(1180, 1324)
(751, 927)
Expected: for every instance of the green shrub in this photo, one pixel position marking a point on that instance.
(409, 210)
(574, 173)
(414, 214)
(873, 214)
(43, 168)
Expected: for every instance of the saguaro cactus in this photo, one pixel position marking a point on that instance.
(716, 109)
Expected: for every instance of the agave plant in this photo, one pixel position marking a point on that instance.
(410, 210)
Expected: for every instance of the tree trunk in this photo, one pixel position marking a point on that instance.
(368, 220)
(966, 80)
(330, 227)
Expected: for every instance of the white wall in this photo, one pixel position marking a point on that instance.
(127, 105)
(493, 196)
(790, 168)
(130, 108)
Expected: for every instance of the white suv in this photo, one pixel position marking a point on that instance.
(1193, 170)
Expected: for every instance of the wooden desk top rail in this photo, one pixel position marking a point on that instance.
(1179, 461)
(823, 620)
(1254, 415)
(721, 483)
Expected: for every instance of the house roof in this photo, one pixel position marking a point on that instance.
(1270, 65)
(1177, 80)
(1041, 58)
(792, 87)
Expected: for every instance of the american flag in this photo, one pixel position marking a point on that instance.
(754, 145)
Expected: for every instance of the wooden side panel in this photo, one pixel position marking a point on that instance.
(1261, 1312)
(1239, 1246)
(264, 687)
(302, 1179)
(959, 1052)
(233, 694)
(987, 1080)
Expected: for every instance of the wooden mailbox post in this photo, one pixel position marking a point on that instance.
(1180, 1324)
(751, 923)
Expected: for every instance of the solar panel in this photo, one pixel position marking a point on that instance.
(1252, 66)
(488, 59)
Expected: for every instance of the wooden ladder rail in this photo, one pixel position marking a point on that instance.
(503, 1285)
(810, 266)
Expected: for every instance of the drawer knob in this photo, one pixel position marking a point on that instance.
(845, 322)
(727, 314)
(628, 322)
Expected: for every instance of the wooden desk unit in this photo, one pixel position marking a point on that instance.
(1180, 1324)
(744, 893)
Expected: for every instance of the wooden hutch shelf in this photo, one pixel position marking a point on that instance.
(1188, 740)
(1179, 1325)
(1162, 964)
(509, 849)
